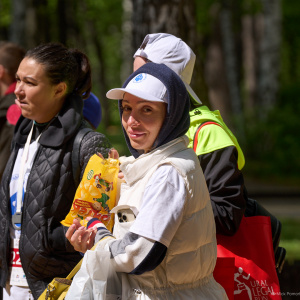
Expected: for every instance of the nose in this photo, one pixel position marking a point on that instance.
(132, 120)
(18, 88)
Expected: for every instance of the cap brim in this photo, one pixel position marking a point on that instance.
(118, 94)
(192, 93)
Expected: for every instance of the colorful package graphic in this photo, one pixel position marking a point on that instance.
(96, 193)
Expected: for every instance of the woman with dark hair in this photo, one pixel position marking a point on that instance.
(38, 184)
(163, 244)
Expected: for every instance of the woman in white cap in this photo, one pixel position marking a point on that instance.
(164, 242)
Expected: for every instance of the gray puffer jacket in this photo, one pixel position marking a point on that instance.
(44, 251)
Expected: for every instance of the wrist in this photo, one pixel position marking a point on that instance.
(95, 223)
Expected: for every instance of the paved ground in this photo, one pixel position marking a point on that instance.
(281, 201)
(282, 207)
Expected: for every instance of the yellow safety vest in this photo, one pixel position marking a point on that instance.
(213, 136)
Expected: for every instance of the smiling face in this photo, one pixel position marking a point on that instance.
(38, 99)
(142, 121)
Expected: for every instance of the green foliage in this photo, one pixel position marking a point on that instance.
(290, 55)
(290, 238)
(292, 248)
(204, 15)
(4, 15)
(290, 229)
(272, 147)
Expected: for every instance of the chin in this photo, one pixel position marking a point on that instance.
(27, 116)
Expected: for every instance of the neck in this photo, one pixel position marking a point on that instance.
(40, 124)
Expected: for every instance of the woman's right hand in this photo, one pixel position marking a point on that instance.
(81, 239)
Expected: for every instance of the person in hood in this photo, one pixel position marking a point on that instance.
(38, 184)
(163, 244)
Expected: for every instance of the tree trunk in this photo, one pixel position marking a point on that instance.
(269, 56)
(62, 21)
(230, 55)
(127, 38)
(215, 74)
(18, 24)
(249, 62)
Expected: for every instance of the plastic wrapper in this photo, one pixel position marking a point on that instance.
(96, 193)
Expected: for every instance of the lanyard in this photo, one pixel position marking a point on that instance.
(17, 217)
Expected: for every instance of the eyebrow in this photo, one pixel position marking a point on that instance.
(27, 77)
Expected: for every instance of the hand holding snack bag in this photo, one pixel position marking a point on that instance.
(96, 193)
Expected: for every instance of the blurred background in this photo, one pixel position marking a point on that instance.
(248, 67)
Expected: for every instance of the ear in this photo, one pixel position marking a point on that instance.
(60, 89)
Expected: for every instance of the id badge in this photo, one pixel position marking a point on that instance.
(17, 275)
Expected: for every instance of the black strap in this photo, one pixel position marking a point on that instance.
(76, 154)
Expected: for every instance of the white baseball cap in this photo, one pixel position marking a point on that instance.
(144, 86)
(164, 48)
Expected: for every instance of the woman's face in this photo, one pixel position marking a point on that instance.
(38, 99)
(142, 121)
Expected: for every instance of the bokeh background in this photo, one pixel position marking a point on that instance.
(248, 67)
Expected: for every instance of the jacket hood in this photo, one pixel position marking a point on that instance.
(61, 129)
(177, 120)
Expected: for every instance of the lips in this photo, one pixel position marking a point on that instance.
(135, 134)
(20, 103)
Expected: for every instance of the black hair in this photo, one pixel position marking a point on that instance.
(64, 65)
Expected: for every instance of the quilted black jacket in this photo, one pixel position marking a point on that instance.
(44, 251)
(6, 130)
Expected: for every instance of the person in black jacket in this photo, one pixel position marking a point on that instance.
(38, 184)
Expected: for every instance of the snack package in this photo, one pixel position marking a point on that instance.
(96, 193)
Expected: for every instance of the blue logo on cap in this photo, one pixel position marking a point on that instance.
(139, 78)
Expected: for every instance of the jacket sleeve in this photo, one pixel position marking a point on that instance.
(92, 143)
(226, 188)
(133, 253)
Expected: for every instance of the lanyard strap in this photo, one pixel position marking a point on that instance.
(17, 217)
(22, 170)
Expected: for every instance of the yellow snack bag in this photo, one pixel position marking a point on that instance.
(96, 193)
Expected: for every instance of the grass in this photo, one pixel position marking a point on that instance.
(290, 238)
